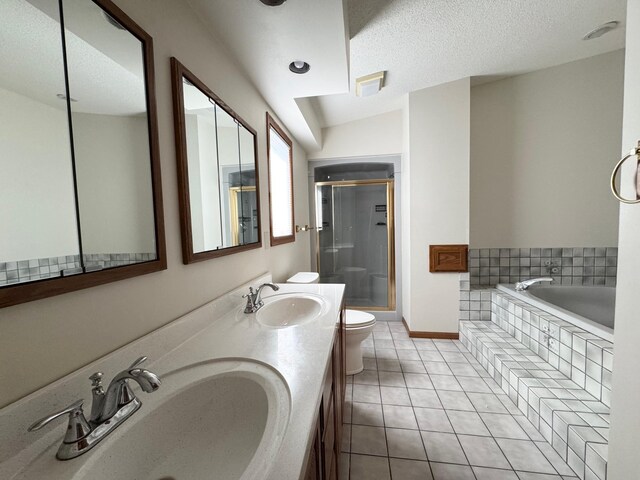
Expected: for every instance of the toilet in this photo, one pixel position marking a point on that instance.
(305, 277)
(359, 326)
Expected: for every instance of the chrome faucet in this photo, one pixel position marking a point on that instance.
(254, 302)
(109, 409)
(522, 286)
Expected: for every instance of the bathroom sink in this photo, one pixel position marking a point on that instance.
(220, 419)
(290, 309)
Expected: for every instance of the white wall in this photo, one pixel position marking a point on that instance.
(35, 337)
(436, 174)
(37, 181)
(114, 183)
(624, 438)
(542, 147)
(377, 135)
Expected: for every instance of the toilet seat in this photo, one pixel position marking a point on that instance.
(358, 319)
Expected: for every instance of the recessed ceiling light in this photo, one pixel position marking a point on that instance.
(369, 84)
(299, 67)
(62, 96)
(273, 3)
(601, 30)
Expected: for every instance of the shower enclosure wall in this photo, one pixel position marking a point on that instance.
(355, 239)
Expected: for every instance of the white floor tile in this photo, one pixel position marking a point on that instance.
(483, 473)
(395, 396)
(444, 471)
(433, 419)
(402, 469)
(467, 423)
(483, 452)
(368, 440)
(524, 455)
(443, 447)
(399, 417)
(367, 414)
(405, 444)
(364, 467)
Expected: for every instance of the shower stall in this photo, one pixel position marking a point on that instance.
(355, 233)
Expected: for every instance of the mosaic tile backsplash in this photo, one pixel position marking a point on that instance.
(567, 266)
(40, 268)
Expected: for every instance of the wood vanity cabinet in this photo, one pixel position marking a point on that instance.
(324, 454)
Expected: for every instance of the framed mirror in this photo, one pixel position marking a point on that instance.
(81, 203)
(216, 152)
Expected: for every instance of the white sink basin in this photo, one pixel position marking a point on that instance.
(215, 420)
(290, 309)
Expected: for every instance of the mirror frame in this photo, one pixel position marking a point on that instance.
(38, 289)
(178, 71)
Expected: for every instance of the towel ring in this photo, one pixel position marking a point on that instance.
(633, 153)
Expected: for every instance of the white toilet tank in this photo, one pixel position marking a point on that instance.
(305, 277)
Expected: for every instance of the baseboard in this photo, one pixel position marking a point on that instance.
(440, 335)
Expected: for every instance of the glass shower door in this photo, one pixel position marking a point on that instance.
(355, 240)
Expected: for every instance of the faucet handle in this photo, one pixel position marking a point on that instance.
(78, 426)
(96, 379)
(138, 362)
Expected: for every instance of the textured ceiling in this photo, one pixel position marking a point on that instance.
(421, 43)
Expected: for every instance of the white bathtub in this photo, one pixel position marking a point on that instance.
(590, 308)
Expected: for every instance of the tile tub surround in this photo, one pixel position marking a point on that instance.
(573, 266)
(41, 268)
(216, 330)
(426, 409)
(475, 300)
(579, 355)
(573, 421)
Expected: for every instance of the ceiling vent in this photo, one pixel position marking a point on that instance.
(273, 3)
(370, 84)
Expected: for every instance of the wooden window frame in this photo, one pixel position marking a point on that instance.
(271, 124)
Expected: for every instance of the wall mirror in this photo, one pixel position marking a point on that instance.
(217, 172)
(81, 200)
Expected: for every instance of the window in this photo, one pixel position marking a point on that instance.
(280, 162)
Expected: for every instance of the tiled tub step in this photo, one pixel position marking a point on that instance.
(572, 420)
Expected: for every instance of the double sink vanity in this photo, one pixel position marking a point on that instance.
(240, 396)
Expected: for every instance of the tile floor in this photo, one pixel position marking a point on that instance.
(426, 410)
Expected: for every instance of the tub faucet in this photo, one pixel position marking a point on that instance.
(522, 286)
(254, 302)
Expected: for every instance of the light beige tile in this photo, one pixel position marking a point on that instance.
(366, 393)
(424, 398)
(402, 469)
(444, 471)
(405, 444)
(399, 417)
(368, 440)
(364, 467)
(443, 447)
(395, 396)
(433, 419)
(391, 379)
(367, 414)
(467, 423)
(483, 451)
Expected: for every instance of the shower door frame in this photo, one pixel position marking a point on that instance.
(391, 230)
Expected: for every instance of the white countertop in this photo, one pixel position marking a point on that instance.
(216, 330)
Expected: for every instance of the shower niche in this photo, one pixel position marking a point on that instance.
(355, 232)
